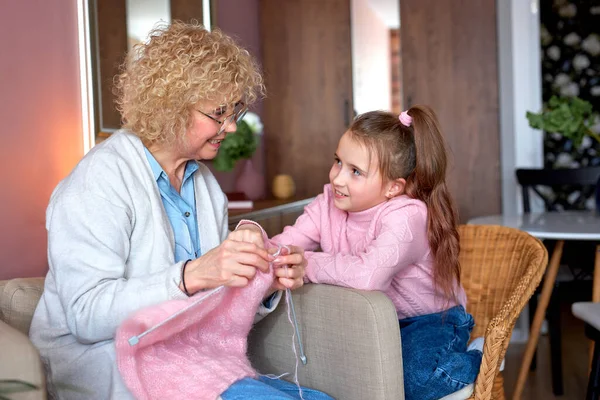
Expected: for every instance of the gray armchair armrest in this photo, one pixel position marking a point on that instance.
(20, 360)
(351, 339)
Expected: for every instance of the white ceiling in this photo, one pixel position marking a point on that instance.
(388, 11)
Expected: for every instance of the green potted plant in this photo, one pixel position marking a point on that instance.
(241, 145)
(571, 117)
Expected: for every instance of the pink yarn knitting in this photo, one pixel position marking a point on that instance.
(197, 355)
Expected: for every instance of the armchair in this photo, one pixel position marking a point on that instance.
(368, 351)
(351, 337)
(19, 359)
(351, 340)
(357, 355)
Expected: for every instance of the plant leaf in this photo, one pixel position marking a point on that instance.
(568, 116)
(237, 145)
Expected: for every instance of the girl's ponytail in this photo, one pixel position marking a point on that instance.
(427, 182)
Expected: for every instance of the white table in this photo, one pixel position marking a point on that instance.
(560, 226)
(566, 225)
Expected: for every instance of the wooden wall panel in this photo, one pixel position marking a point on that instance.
(308, 73)
(112, 45)
(186, 10)
(395, 46)
(449, 61)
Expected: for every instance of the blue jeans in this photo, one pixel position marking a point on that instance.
(434, 354)
(269, 389)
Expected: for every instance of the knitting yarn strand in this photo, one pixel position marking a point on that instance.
(290, 304)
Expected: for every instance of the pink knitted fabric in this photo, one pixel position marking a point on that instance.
(383, 248)
(197, 355)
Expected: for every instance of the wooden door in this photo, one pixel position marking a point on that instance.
(307, 62)
(111, 41)
(186, 10)
(449, 62)
(110, 38)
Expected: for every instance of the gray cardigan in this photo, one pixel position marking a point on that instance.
(110, 253)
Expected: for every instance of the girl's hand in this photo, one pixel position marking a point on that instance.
(293, 276)
(232, 263)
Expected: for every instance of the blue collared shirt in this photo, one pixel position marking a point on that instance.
(180, 208)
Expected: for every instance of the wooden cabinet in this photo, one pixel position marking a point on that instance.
(449, 61)
(307, 62)
(272, 215)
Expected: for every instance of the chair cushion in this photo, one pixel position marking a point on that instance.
(18, 301)
(20, 361)
(588, 312)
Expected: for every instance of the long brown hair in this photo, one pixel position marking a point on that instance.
(418, 154)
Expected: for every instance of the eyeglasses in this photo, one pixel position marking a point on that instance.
(239, 110)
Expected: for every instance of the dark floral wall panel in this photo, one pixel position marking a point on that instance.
(570, 40)
(570, 36)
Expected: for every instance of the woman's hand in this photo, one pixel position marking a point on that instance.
(232, 263)
(248, 233)
(291, 277)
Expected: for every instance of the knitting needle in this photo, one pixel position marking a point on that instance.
(302, 355)
(136, 339)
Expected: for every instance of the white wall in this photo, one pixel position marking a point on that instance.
(143, 16)
(520, 91)
(371, 59)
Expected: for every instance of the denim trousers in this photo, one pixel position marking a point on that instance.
(434, 354)
(269, 389)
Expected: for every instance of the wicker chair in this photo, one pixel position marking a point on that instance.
(501, 268)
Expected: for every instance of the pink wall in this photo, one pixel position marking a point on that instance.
(41, 118)
(240, 19)
(40, 121)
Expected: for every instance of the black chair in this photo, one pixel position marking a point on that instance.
(577, 255)
(561, 179)
(590, 314)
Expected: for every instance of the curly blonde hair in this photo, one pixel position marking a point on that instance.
(181, 65)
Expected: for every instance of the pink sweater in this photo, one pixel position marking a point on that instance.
(197, 355)
(383, 248)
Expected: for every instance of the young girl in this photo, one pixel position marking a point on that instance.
(387, 222)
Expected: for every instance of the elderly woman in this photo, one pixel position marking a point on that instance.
(139, 221)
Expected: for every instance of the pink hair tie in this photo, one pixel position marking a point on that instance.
(405, 119)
